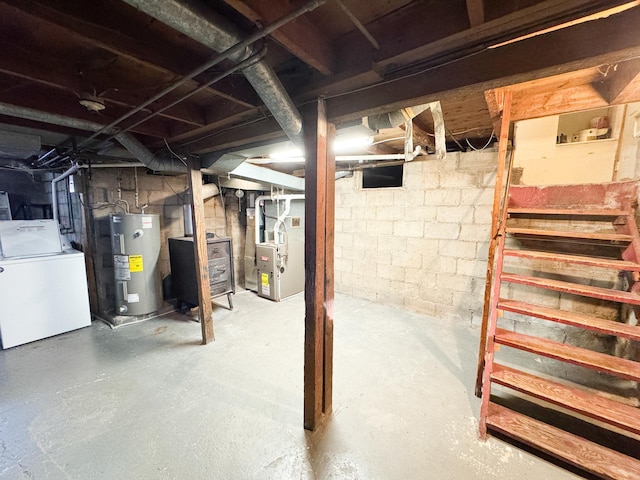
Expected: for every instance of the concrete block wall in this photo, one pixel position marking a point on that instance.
(422, 246)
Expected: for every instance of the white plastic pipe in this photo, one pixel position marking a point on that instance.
(54, 192)
(281, 218)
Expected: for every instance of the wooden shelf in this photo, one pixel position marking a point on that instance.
(587, 142)
(600, 362)
(570, 448)
(593, 406)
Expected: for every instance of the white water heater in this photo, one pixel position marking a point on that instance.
(135, 243)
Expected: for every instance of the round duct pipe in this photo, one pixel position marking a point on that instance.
(208, 190)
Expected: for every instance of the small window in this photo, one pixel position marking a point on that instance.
(381, 177)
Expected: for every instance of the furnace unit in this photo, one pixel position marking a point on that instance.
(280, 246)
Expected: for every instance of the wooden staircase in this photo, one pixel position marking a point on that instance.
(555, 232)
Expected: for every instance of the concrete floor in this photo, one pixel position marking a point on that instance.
(147, 401)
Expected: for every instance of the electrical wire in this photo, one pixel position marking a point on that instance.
(485, 145)
(173, 153)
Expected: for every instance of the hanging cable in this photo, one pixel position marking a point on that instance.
(485, 145)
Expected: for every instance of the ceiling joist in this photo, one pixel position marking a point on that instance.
(301, 37)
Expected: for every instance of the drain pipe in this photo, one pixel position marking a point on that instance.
(127, 140)
(54, 193)
(207, 27)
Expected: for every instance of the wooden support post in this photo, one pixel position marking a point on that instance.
(495, 225)
(200, 250)
(319, 216)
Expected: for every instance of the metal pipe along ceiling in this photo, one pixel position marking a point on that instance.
(207, 27)
(128, 141)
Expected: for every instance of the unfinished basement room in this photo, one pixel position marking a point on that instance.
(319, 239)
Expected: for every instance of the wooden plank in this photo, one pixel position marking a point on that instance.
(119, 38)
(588, 196)
(200, 250)
(600, 325)
(593, 406)
(475, 11)
(615, 86)
(570, 448)
(600, 362)
(329, 278)
(617, 42)
(315, 360)
(574, 259)
(612, 237)
(573, 288)
(593, 212)
(499, 202)
(302, 38)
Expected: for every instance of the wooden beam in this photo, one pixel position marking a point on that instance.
(302, 37)
(500, 195)
(617, 41)
(621, 83)
(508, 27)
(54, 74)
(475, 11)
(329, 279)
(120, 38)
(200, 249)
(318, 347)
(494, 104)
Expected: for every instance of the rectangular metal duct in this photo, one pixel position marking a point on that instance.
(18, 145)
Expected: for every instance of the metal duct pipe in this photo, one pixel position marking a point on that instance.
(207, 27)
(132, 144)
(54, 191)
(396, 118)
(142, 153)
(208, 190)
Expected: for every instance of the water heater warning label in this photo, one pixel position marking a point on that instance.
(147, 222)
(135, 263)
(264, 280)
(121, 267)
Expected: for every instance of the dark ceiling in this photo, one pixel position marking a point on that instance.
(57, 52)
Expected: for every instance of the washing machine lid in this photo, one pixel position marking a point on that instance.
(22, 238)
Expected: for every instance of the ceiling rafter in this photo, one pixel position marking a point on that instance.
(26, 68)
(617, 42)
(302, 38)
(475, 11)
(166, 60)
(619, 84)
(405, 57)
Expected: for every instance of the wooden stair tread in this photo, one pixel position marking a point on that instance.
(611, 237)
(601, 362)
(573, 288)
(600, 325)
(593, 212)
(574, 259)
(571, 448)
(593, 406)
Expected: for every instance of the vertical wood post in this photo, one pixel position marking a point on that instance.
(200, 250)
(319, 215)
(495, 216)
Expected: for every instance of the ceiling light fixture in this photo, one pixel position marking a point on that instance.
(92, 103)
